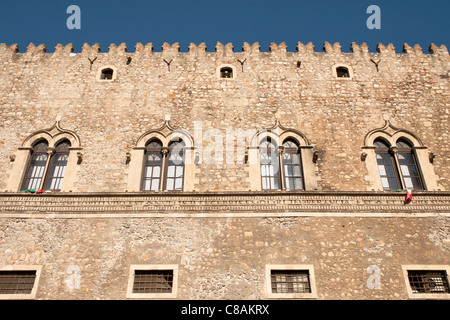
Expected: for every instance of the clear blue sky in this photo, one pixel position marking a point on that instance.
(412, 21)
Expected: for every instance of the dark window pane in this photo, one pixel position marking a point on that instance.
(290, 281)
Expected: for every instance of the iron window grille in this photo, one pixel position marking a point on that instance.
(428, 281)
(153, 281)
(17, 282)
(290, 281)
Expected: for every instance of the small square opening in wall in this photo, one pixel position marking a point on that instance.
(153, 281)
(107, 74)
(427, 281)
(290, 282)
(19, 282)
(226, 72)
(342, 72)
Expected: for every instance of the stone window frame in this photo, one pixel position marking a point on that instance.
(100, 70)
(219, 68)
(391, 135)
(53, 136)
(290, 267)
(166, 134)
(279, 134)
(349, 68)
(134, 267)
(30, 296)
(426, 267)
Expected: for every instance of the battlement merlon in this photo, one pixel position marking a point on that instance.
(226, 50)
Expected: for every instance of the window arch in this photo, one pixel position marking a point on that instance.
(46, 167)
(292, 165)
(36, 166)
(408, 165)
(163, 166)
(269, 161)
(57, 166)
(153, 164)
(175, 166)
(163, 159)
(280, 158)
(47, 159)
(397, 159)
(386, 165)
(397, 165)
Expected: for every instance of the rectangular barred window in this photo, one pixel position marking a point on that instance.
(17, 281)
(428, 281)
(290, 281)
(153, 281)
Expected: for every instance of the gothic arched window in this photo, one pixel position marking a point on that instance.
(408, 166)
(36, 166)
(151, 179)
(46, 166)
(269, 160)
(57, 166)
(397, 166)
(175, 166)
(292, 166)
(163, 166)
(386, 166)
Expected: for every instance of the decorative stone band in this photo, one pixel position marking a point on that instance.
(215, 204)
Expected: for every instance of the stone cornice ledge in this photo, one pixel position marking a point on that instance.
(223, 204)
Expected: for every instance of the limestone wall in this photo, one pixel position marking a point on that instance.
(223, 258)
(299, 89)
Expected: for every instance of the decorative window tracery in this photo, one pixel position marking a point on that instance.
(397, 159)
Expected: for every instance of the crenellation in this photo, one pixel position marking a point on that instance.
(388, 50)
(170, 49)
(440, 51)
(88, 50)
(32, 49)
(227, 50)
(113, 49)
(332, 49)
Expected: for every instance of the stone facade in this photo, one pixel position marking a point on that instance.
(222, 230)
